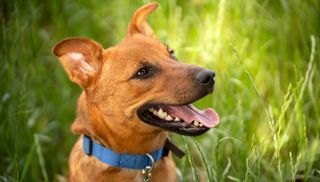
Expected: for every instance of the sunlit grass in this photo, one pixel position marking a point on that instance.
(267, 62)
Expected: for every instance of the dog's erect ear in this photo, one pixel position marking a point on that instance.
(138, 24)
(81, 58)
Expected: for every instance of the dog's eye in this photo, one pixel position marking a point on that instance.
(141, 73)
(146, 71)
(171, 52)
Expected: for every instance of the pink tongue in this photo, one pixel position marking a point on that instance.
(189, 113)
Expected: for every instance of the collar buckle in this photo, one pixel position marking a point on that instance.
(147, 170)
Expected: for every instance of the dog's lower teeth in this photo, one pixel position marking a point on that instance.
(201, 125)
(177, 119)
(196, 123)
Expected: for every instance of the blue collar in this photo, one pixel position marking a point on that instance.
(130, 161)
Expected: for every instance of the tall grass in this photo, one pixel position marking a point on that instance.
(266, 55)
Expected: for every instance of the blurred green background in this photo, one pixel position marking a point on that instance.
(266, 55)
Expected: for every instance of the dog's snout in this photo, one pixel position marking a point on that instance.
(206, 78)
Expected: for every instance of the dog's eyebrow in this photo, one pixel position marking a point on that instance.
(146, 63)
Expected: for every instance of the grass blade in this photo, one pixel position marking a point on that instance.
(28, 162)
(40, 158)
(211, 177)
(193, 167)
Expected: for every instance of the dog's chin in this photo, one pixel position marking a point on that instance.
(182, 119)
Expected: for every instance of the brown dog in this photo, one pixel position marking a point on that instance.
(133, 94)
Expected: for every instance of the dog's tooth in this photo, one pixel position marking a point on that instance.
(201, 125)
(196, 123)
(162, 114)
(160, 111)
(151, 109)
(177, 119)
(169, 118)
(154, 112)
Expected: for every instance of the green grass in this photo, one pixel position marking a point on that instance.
(266, 55)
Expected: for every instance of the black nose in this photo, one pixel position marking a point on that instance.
(206, 78)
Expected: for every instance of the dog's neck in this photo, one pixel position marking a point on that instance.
(89, 121)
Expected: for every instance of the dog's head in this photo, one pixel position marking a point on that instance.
(139, 84)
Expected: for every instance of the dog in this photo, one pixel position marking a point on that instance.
(134, 94)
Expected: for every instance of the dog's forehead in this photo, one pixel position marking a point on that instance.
(137, 48)
(139, 42)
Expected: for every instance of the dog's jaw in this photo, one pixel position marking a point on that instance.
(90, 121)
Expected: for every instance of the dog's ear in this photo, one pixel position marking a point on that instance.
(138, 24)
(81, 58)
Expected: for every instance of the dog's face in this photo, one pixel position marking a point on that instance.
(139, 84)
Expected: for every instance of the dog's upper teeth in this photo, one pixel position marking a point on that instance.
(169, 118)
(196, 123)
(151, 109)
(155, 112)
(162, 114)
(201, 125)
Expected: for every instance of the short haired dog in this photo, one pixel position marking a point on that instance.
(133, 94)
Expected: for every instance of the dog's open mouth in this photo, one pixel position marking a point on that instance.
(184, 119)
